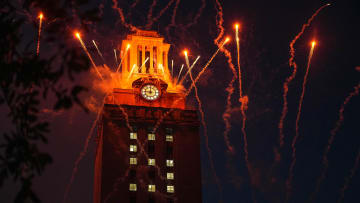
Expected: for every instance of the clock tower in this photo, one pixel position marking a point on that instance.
(148, 145)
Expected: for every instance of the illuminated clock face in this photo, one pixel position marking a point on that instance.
(150, 92)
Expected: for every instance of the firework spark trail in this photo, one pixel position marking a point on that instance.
(202, 114)
(230, 89)
(116, 60)
(116, 7)
(142, 151)
(122, 58)
(149, 16)
(243, 99)
(116, 185)
(98, 51)
(293, 144)
(173, 17)
(83, 152)
(132, 71)
(190, 88)
(196, 18)
(238, 58)
(186, 94)
(142, 65)
(143, 186)
(187, 61)
(133, 5)
(219, 21)
(293, 64)
(172, 68)
(88, 54)
(182, 66)
(162, 69)
(160, 14)
(349, 178)
(333, 132)
(141, 146)
(187, 73)
(39, 33)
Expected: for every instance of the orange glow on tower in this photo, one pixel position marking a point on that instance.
(144, 59)
(144, 129)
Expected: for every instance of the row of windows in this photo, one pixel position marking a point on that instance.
(169, 175)
(151, 149)
(151, 136)
(151, 162)
(152, 188)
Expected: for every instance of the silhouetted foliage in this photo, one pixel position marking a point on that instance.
(27, 81)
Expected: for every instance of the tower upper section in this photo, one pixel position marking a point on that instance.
(148, 54)
(145, 79)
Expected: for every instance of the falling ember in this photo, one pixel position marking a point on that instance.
(77, 34)
(41, 16)
(333, 132)
(97, 48)
(349, 178)
(292, 76)
(122, 59)
(293, 145)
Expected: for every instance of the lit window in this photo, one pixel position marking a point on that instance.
(133, 161)
(170, 163)
(133, 136)
(151, 162)
(132, 187)
(151, 188)
(170, 176)
(151, 136)
(169, 138)
(170, 189)
(133, 148)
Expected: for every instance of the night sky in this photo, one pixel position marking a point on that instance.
(267, 28)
